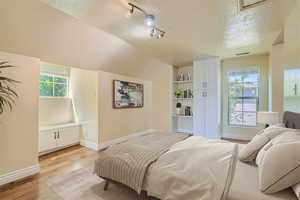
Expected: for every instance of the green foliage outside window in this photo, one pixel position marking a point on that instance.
(243, 98)
(53, 86)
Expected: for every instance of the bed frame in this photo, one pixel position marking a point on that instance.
(142, 196)
(290, 119)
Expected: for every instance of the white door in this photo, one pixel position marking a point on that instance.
(68, 136)
(47, 140)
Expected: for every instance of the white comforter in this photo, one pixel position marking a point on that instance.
(194, 169)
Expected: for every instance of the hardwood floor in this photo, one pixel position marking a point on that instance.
(54, 164)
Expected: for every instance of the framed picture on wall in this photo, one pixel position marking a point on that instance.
(127, 94)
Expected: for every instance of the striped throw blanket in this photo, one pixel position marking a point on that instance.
(128, 162)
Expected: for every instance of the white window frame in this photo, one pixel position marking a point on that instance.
(242, 98)
(58, 76)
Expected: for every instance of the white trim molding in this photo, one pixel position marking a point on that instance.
(237, 136)
(19, 174)
(89, 144)
(103, 145)
(122, 139)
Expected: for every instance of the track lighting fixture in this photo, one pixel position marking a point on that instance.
(149, 21)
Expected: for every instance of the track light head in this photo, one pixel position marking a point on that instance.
(150, 20)
(131, 10)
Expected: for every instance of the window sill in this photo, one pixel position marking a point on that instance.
(244, 127)
(55, 97)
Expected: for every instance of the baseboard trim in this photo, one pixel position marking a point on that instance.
(236, 136)
(19, 174)
(89, 144)
(103, 145)
(106, 144)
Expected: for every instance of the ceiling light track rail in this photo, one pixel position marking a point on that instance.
(149, 20)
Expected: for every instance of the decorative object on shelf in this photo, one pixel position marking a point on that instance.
(178, 109)
(180, 77)
(268, 118)
(187, 94)
(178, 92)
(127, 95)
(189, 77)
(188, 111)
(184, 76)
(149, 21)
(7, 95)
(190, 93)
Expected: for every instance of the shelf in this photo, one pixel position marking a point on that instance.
(184, 131)
(182, 82)
(182, 116)
(182, 99)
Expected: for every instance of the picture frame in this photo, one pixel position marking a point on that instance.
(127, 95)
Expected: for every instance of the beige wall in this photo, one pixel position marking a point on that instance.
(116, 123)
(35, 29)
(276, 69)
(19, 128)
(84, 92)
(160, 74)
(291, 38)
(284, 56)
(53, 111)
(261, 61)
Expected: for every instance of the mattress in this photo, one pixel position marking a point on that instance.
(245, 185)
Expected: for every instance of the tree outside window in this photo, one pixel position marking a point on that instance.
(53, 85)
(243, 97)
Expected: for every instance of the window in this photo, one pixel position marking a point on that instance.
(52, 85)
(243, 97)
(292, 90)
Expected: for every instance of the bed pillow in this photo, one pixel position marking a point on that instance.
(296, 189)
(249, 152)
(279, 163)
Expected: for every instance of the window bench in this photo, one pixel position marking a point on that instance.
(56, 137)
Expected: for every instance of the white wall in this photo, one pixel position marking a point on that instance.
(84, 92)
(19, 128)
(53, 111)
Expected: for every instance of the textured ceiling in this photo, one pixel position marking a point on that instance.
(195, 29)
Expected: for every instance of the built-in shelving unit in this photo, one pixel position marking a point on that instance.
(183, 80)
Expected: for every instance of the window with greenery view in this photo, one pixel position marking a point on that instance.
(52, 85)
(243, 97)
(292, 90)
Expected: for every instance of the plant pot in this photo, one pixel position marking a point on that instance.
(178, 111)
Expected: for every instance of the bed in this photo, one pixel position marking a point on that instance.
(181, 173)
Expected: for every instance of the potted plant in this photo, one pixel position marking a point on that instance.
(178, 92)
(178, 108)
(7, 94)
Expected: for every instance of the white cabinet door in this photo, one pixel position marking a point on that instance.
(68, 136)
(47, 140)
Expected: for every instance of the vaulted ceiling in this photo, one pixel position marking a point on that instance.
(98, 34)
(195, 28)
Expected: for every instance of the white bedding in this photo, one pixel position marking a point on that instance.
(201, 169)
(245, 185)
(194, 169)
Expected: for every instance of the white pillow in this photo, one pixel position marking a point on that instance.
(249, 152)
(279, 163)
(296, 189)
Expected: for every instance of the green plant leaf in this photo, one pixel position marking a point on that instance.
(7, 94)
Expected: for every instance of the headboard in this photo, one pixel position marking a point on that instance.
(291, 120)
